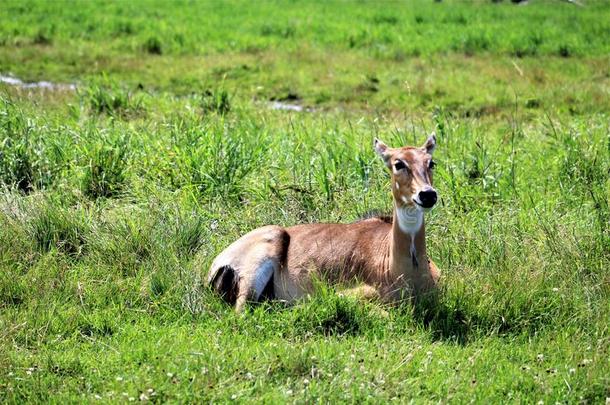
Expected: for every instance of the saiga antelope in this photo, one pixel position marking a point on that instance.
(387, 255)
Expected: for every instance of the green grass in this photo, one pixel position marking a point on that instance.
(115, 198)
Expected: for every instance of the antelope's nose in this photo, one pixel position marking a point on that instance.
(427, 198)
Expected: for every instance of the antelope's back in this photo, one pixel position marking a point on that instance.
(339, 253)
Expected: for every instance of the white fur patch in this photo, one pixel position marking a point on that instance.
(410, 219)
(263, 274)
(397, 186)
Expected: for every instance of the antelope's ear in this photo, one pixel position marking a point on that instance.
(383, 151)
(430, 143)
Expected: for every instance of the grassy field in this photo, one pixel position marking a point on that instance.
(116, 196)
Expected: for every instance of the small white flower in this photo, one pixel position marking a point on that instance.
(540, 357)
(233, 396)
(555, 289)
(289, 392)
(306, 381)
(572, 370)
(119, 378)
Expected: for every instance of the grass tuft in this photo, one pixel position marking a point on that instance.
(58, 229)
(153, 45)
(28, 159)
(105, 96)
(216, 101)
(105, 172)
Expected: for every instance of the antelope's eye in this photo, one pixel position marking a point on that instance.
(431, 164)
(399, 165)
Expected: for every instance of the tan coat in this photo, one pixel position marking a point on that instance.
(387, 257)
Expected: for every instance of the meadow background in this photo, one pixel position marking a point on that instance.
(116, 195)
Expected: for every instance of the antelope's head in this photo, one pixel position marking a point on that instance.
(411, 170)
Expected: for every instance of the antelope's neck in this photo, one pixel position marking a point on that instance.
(408, 256)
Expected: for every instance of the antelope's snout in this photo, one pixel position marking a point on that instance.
(426, 198)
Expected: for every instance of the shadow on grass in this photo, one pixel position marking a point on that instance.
(332, 316)
(444, 322)
(460, 319)
(456, 319)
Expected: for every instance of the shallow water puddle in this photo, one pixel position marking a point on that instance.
(14, 81)
(279, 105)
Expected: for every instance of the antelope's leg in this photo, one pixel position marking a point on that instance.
(240, 304)
(251, 287)
(365, 292)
